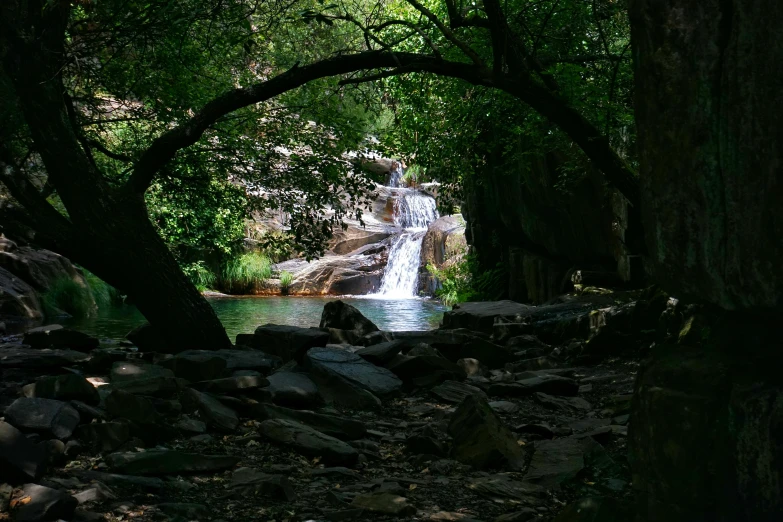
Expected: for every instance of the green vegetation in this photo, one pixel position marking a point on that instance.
(286, 278)
(245, 272)
(463, 280)
(200, 275)
(78, 299)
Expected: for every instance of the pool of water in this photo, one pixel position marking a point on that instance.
(244, 314)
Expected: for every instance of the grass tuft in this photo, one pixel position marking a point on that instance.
(245, 272)
(69, 296)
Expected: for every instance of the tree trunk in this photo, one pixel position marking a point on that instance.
(708, 90)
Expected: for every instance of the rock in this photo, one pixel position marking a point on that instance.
(295, 390)
(504, 406)
(196, 365)
(231, 384)
(549, 384)
(55, 336)
(380, 354)
(148, 339)
(455, 392)
(594, 509)
(523, 515)
(481, 316)
(106, 436)
(337, 472)
(424, 349)
(166, 462)
(480, 437)
(559, 460)
(341, 315)
(339, 364)
(386, 503)
(308, 441)
(471, 367)
(261, 362)
(451, 516)
(288, 342)
(123, 481)
(355, 274)
(66, 387)
(563, 404)
(45, 416)
(187, 511)
(533, 364)
(339, 427)
(18, 300)
(504, 486)
(121, 404)
(425, 445)
(190, 425)
(425, 370)
(272, 486)
(36, 503)
(143, 378)
(5, 497)
(14, 356)
(212, 410)
(97, 493)
(459, 344)
(20, 459)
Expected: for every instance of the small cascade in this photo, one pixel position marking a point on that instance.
(413, 212)
(395, 176)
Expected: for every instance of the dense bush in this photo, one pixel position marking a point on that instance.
(78, 299)
(463, 281)
(244, 273)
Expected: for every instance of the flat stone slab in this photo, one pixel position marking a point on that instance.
(16, 356)
(196, 365)
(55, 336)
(558, 460)
(288, 342)
(308, 441)
(342, 428)
(214, 412)
(296, 390)
(351, 367)
(66, 387)
(549, 384)
(380, 354)
(454, 392)
(502, 485)
(236, 383)
(563, 404)
(163, 462)
(35, 503)
(46, 416)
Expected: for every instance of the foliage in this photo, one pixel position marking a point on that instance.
(243, 273)
(78, 299)
(104, 294)
(463, 280)
(277, 246)
(200, 275)
(286, 278)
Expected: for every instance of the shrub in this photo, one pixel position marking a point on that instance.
(464, 281)
(67, 295)
(104, 294)
(249, 270)
(200, 275)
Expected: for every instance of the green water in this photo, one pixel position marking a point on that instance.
(244, 314)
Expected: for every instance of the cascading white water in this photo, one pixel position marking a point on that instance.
(413, 212)
(395, 176)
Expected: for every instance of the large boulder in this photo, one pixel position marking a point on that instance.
(214, 412)
(356, 274)
(288, 342)
(36, 503)
(39, 268)
(336, 364)
(48, 417)
(480, 437)
(342, 316)
(66, 387)
(444, 242)
(295, 390)
(197, 365)
(20, 459)
(18, 300)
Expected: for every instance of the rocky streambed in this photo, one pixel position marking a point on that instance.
(507, 412)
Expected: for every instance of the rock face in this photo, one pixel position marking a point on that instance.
(357, 273)
(18, 300)
(712, 205)
(444, 242)
(480, 437)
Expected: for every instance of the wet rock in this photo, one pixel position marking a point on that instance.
(308, 441)
(425, 370)
(295, 390)
(253, 481)
(559, 460)
(196, 365)
(187, 511)
(342, 316)
(142, 378)
(231, 384)
(342, 365)
(386, 503)
(550, 384)
(15, 356)
(504, 486)
(342, 428)
(66, 387)
(55, 336)
(121, 404)
(480, 437)
(563, 404)
(36, 503)
(165, 462)
(594, 509)
(48, 417)
(106, 436)
(288, 342)
(380, 354)
(214, 413)
(504, 406)
(455, 392)
(20, 459)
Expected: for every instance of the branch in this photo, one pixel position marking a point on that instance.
(416, 28)
(166, 146)
(456, 19)
(465, 48)
(108, 153)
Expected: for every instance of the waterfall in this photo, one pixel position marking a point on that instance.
(414, 211)
(395, 176)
